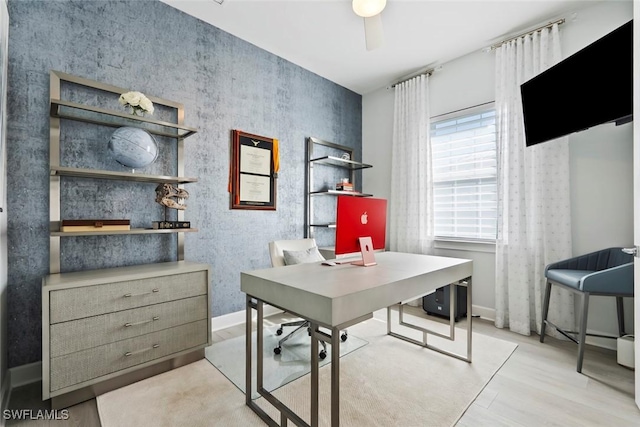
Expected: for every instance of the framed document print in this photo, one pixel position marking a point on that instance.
(254, 163)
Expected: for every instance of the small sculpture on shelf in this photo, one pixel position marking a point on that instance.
(171, 197)
(165, 194)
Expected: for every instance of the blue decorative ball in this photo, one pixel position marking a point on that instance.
(133, 147)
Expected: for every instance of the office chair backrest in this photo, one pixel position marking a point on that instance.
(276, 247)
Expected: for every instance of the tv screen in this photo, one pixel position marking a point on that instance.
(360, 217)
(591, 87)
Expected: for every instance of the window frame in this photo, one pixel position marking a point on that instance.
(454, 242)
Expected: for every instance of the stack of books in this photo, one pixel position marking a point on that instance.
(344, 186)
(170, 225)
(71, 225)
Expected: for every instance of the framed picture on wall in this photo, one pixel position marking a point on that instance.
(254, 164)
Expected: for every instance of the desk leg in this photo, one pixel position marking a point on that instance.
(425, 331)
(469, 316)
(259, 346)
(248, 351)
(258, 306)
(335, 377)
(315, 384)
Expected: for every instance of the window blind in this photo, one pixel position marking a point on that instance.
(464, 175)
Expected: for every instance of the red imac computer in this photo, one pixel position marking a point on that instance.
(357, 219)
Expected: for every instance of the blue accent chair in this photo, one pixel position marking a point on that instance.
(608, 272)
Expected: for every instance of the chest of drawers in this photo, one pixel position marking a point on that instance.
(103, 324)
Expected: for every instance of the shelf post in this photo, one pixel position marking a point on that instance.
(54, 181)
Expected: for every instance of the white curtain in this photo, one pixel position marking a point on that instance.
(534, 217)
(411, 199)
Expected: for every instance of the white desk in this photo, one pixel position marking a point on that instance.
(336, 297)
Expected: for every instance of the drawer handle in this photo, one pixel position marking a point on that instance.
(142, 322)
(140, 294)
(131, 353)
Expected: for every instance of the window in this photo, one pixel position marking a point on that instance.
(464, 174)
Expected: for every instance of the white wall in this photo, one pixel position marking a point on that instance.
(601, 166)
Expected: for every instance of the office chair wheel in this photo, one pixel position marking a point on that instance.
(323, 355)
(277, 350)
(343, 337)
(279, 331)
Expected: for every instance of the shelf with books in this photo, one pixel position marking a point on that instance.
(184, 283)
(63, 110)
(115, 232)
(339, 157)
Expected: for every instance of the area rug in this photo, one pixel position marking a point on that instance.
(389, 382)
(292, 363)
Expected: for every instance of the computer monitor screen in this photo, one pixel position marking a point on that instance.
(360, 217)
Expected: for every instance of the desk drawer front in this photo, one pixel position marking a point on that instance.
(88, 364)
(86, 301)
(76, 335)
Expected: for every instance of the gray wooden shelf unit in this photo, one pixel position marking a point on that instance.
(347, 165)
(103, 329)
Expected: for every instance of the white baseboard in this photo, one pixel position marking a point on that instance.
(25, 374)
(238, 318)
(484, 312)
(609, 343)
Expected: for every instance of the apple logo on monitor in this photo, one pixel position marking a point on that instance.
(363, 218)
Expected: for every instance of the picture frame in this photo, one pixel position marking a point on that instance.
(253, 172)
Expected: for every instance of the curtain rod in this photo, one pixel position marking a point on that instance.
(463, 109)
(426, 72)
(550, 24)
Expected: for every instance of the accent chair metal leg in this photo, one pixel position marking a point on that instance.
(545, 310)
(620, 307)
(583, 329)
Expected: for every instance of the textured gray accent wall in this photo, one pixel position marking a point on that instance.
(225, 83)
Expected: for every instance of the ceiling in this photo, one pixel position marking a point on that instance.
(327, 37)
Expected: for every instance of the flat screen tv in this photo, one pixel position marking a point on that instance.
(591, 87)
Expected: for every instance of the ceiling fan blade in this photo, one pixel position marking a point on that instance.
(373, 34)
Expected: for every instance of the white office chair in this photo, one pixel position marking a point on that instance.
(276, 252)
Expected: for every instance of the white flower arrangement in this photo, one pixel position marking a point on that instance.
(138, 103)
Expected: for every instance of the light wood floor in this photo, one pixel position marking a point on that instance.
(537, 386)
